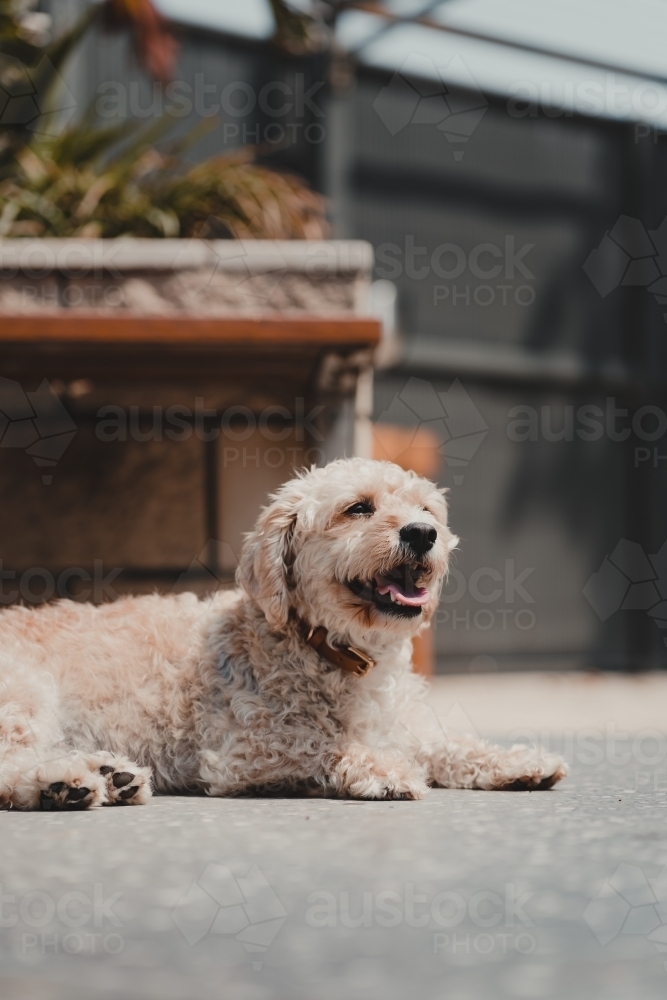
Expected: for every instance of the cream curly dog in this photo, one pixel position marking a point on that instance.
(299, 679)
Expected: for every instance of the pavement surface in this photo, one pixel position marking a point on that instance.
(463, 896)
(539, 703)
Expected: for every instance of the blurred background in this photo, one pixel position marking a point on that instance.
(505, 163)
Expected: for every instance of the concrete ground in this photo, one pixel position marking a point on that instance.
(463, 896)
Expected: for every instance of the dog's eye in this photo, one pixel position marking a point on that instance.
(363, 507)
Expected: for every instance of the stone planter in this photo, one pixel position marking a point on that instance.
(175, 277)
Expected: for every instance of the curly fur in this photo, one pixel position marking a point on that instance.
(223, 695)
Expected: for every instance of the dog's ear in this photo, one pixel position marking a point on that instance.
(266, 560)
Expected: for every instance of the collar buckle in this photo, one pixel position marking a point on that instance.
(367, 662)
(348, 658)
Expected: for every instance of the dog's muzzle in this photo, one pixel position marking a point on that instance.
(396, 592)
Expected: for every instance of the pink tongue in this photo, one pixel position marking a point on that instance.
(420, 596)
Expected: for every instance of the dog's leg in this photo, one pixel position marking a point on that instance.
(468, 762)
(37, 770)
(126, 782)
(349, 769)
(364, 773)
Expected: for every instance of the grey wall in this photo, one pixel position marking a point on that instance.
(538, 334)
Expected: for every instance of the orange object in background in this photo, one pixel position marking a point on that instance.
(416, 449)
(423, 653)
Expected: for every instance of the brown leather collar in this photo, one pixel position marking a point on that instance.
(347, 658)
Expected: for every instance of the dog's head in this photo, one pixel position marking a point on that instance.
(360, 547)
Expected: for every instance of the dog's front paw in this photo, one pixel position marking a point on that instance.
(465, 761)
(532, 770)
(389, 786)
(126, 782)
(361, 773)
(67, 784)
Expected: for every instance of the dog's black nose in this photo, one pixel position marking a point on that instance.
(420, 537)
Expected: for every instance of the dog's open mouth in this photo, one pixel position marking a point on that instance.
(396, 592)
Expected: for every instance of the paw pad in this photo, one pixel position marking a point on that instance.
(120, 787)
(60, 795)
(128, 793)
(122, 778)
